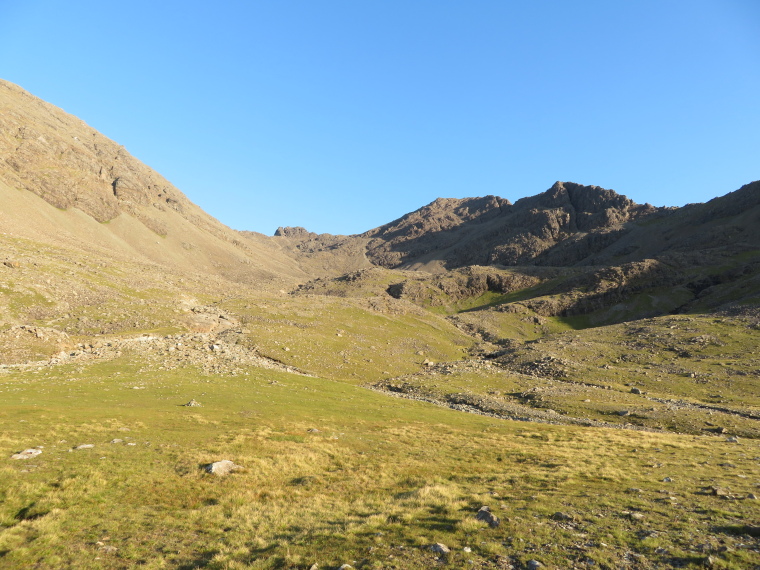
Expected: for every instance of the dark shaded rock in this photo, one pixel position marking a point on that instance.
(485, 515)
(560, 516)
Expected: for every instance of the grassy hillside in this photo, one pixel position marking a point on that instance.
(335, 474)
(601, 399)
(557, 444)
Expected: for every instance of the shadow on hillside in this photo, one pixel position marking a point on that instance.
(738, 530)
(200, 561)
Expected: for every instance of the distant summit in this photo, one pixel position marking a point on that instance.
(294, 232)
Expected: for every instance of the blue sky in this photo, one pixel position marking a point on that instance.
(342, 115)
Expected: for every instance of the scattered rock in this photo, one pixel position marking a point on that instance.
(467, 549)
(752, 496)
(107, 548)
(732, 439)
(313, 430)
(346, 567)
(220, 468)
(718, 492)
(117, 440)
(314, 567)
(635, 391)
(534, 564)
(85, 446)
(485, 515)
(193, 404)
(624, 413)
(560, 516)
(26, 454)
(667, 480)
(636, 516)
(440, 548)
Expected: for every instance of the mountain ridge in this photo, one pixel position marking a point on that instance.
(127, 209)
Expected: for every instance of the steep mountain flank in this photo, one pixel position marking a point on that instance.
(492, 231)
(62, 182)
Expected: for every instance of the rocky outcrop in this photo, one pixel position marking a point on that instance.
(436, 227)
(492, 231)
(294, 232)
(463, 283)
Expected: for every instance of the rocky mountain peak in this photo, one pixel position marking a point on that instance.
(297, 232)
(579, 198)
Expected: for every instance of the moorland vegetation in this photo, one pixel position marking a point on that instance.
(583, 366)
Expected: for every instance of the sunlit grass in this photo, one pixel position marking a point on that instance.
(330, 471)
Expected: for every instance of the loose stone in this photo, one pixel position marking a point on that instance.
(26, 454)
(485, 515)
(220, 468)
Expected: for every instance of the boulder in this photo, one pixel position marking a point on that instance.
(221, 468)
(560, 516)
(26, 454)
(485, 515)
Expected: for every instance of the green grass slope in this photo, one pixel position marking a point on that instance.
(335, 474)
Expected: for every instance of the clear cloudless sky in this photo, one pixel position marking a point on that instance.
(342, 115)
